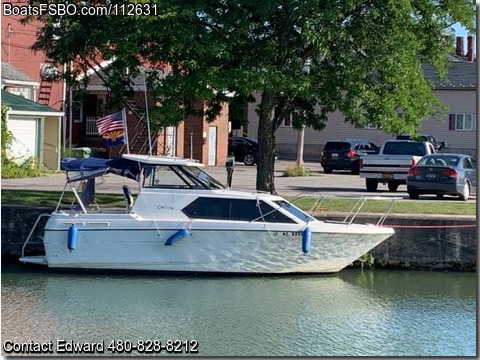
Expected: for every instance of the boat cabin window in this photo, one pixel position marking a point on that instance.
(295, 211)
(178, 177)
(234, 209)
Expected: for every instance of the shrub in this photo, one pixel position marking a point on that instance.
(295, 170)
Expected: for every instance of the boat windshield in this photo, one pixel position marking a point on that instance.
(202, 176)
(295, 211)
(178, 177)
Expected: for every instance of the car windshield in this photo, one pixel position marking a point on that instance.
(337, 146)
(444, 160)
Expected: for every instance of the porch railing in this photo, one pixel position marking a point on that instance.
(91, 126)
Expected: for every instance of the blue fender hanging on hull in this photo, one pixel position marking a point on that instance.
(177, 236)
(72, 237)
(306, 240)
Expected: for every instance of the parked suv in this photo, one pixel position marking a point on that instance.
(345, 154)
(431, 139)
(244, 149)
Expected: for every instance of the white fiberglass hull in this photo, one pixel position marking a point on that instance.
(210, 246)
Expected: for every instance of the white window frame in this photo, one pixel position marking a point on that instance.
(289, 117)
(461, 119)
(371, 126)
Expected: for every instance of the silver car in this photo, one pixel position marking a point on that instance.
(443, 174)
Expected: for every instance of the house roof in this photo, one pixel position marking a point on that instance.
(462, 75)
(10, 72)
(21, 106)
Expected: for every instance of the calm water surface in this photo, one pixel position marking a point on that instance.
(362, 313)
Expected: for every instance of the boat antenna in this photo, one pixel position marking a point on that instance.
(146, 113)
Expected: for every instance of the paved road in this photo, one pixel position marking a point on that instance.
(340, 184)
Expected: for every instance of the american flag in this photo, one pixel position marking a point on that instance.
(111, 127)
(109, 123)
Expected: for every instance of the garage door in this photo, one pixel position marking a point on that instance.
(25, 138)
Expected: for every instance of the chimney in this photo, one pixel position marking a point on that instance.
(459, 50)
(470, 54)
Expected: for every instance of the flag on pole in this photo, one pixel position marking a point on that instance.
(112, 128)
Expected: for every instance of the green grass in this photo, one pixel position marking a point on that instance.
(50, 198)
(399, 207)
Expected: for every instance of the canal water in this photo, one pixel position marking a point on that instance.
(355, 312)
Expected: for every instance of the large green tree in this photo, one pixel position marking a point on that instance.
(361, 57)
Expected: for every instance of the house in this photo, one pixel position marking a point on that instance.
(34, 92)
(193, 138)
(17, 40)
(457, 127)
(36, 130)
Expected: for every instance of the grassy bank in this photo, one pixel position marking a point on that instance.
(50, 198)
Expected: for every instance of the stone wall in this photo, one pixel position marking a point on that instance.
(433, 242)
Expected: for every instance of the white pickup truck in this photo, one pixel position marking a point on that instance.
(391, 165)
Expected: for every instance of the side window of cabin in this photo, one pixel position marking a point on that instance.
(233, 209)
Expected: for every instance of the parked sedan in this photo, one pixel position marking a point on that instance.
(443, 174)
(244, 149)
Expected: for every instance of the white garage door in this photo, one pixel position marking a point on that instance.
(25, 138)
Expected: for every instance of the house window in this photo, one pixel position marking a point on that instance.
(287, 121)
(368, 126)
(463, 122)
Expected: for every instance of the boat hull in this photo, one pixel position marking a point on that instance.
(112, 244)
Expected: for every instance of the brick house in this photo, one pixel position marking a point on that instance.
(192, 138)
(457, 127)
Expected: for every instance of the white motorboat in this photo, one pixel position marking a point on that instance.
(183, 220)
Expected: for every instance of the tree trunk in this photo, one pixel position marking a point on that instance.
(266, 144)
(300, 146)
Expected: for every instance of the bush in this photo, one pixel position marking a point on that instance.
(295, 170)
(28, 168)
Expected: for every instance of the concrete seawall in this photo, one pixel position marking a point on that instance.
(420, 242)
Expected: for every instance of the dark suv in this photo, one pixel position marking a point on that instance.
(431, 139)
(345, 154)
(243, 148)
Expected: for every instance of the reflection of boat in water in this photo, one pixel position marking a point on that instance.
(184, 220)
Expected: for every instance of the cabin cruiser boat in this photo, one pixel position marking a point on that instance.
(183, 220)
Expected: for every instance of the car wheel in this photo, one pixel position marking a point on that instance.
(372, 185)
(393, 186)
(466, 192)
(413, 195)
(249, 159)
(327, 170)
(439, 196)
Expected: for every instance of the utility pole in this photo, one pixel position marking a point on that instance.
(301, 133)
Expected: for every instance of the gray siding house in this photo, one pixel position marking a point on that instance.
(457, 127)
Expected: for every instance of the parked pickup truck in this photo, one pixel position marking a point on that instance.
(391, 165)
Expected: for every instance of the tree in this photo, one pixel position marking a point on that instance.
(365, 58)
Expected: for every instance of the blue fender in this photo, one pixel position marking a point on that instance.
(306, 240)
(177, 236)
(72, 237)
